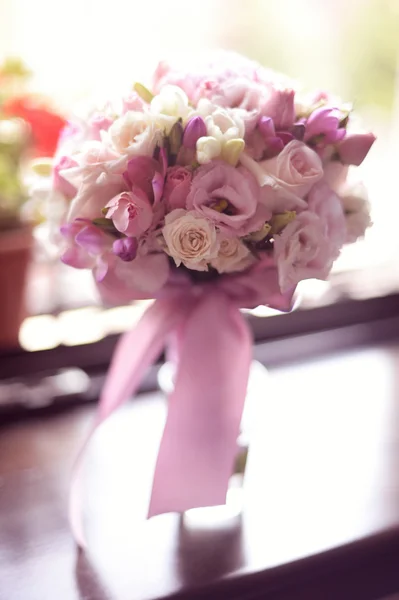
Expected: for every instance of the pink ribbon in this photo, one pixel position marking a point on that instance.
(213, 355)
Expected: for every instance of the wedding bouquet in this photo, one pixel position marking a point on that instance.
(218, 188)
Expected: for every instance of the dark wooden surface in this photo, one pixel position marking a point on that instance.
(321, 516)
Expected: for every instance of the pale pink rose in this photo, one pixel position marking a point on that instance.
(274, 195)
(229, 197)
(297, 168)
(233, 256)
(308, 246)
(131, 212)
(135, 134)
(190, 239)
(177, 187)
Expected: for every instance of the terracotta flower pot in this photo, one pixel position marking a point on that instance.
(15, 252)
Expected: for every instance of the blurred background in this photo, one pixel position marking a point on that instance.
(60, 58)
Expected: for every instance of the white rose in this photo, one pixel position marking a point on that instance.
(233, 256)
(135, 133)
(357, 211)
(190, 239)
(171, 101)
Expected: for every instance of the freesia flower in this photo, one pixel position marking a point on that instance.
(125, 248)
(208, 148)
(323, 126)
(194, 129)
(190, 239)
(147, 174)
(229, 197)
(354, 148)
(222, 127)
(171, 101)
(87, 247)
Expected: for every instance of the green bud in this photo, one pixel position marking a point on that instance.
(232, 151)
(143, 92)
(258, 236)
(175, 137)
(279, 221)
(106, 224)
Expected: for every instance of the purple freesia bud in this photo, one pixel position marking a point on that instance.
(266, 127)
(274, 147)
(354, 148)
(298, 131)
(125, 248)
(325, 122)
(194, 130)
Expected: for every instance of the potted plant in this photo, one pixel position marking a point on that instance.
(28, 129)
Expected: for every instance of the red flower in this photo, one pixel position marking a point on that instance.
(45, 124)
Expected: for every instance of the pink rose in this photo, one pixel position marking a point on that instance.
(190, 239)
(297, 168)
(229, 197)
(177, 187)
(131, 212)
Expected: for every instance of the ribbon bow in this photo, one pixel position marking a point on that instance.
(213, 355)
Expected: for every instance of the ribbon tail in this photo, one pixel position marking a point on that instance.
(135, 352)
(199, 442)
